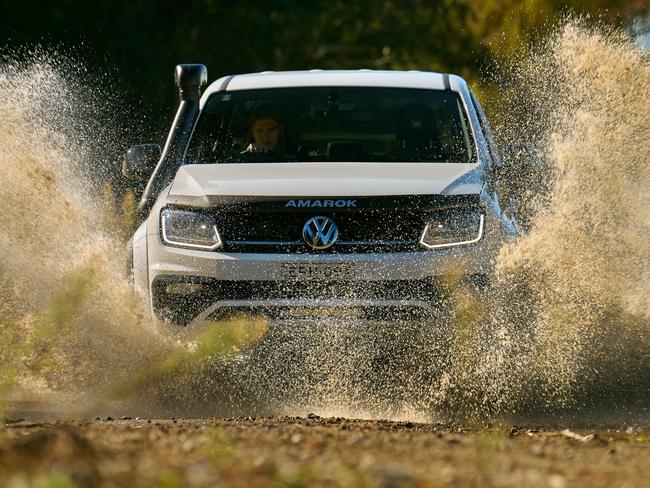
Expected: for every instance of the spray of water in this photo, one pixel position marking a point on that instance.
(60, 269)
(564, 331)
(566, 327)
(565, 322)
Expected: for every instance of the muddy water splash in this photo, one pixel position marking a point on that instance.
(564, 330)
(588, 253)
(568, 327)
(565, 325)
(73, 332)
(61, 271)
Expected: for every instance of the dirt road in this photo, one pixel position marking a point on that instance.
(314, 451)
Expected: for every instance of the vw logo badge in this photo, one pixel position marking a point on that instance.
(320, 232)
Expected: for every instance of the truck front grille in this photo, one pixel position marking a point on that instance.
(359, 232)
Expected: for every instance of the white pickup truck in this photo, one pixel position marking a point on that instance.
(318, 190)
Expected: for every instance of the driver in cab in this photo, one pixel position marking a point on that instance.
(266, 135)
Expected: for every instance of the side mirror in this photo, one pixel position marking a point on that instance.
(140, 162)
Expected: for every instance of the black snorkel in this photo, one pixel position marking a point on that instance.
(189, 78)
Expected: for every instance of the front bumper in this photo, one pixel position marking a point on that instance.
(184, 283)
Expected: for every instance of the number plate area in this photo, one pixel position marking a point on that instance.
(317, 271)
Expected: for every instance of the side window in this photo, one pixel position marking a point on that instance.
(487, 130)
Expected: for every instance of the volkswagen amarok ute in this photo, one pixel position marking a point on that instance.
(372, 186)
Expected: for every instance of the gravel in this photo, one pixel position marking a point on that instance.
(314, 451)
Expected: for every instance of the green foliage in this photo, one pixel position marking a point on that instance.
(119, 214)
(219, 449)
(129, 214)
(55, 480)
(469, 309)
(169, 479)
(216, 340)
(298, 478)
(144, 39)
(51, 480)
(638, 437)
(21, 338)
(66, 304)
(10, 352)
(490, 442)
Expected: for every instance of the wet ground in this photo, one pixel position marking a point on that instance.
(315, 451)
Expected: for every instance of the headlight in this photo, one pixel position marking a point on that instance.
(453, 227)
(189, 229)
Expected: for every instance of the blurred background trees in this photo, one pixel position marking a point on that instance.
(136, 44)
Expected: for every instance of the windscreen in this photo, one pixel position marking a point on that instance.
(337, 124)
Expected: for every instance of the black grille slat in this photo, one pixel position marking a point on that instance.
(301, 248)
(259, 224)
(361, 231)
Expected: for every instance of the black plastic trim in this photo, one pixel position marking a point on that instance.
(445, 80)
(261, 202)
(189, 79)
(225, 83)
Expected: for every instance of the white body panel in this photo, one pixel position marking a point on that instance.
(316, 179)
(140, 255)
(290, 79)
